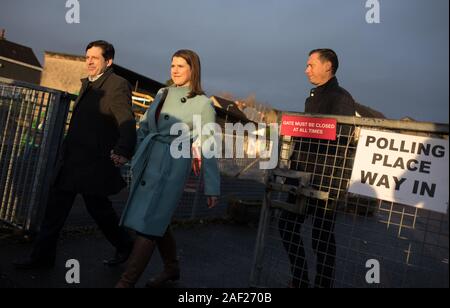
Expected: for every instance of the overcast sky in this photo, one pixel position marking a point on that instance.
(399, 66)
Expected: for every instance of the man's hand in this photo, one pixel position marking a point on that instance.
(118, 160)
(212, 201)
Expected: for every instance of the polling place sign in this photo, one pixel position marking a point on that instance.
(405, 169)
(307, 127)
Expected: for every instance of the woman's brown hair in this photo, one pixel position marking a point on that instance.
(193, 60)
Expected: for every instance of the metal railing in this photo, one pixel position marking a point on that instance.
(314, 233)
(31, 122)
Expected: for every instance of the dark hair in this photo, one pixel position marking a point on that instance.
(193, 60)
(326, 54)
(108, 49)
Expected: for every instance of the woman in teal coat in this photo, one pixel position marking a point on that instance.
(160, 174)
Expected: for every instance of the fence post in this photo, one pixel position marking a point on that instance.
(255, 275)
(59, 108)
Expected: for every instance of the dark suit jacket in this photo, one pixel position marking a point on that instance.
(331, 99)
(102, 121)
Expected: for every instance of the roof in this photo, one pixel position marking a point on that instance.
(408, 119)
(19, 53)
(143, 82)
(367, 112)
(228, 107)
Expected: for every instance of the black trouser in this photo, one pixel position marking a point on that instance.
(323, 241)
(58, 208)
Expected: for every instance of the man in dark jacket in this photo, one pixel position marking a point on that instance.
(327, 98)
(101, 137)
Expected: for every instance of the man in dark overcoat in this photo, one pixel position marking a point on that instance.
(101, 137)
(331, 99)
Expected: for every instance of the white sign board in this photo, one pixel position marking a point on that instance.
(404, 169)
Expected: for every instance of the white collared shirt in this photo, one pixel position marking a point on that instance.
(92, 79)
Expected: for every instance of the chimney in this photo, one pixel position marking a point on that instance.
(2, 34)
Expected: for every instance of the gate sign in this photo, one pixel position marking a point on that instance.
(404, 169)
(316, 128)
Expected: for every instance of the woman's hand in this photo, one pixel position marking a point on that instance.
(196, 161)
(196, 166)
(212, 201)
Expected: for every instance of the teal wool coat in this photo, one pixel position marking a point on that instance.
(158, 178)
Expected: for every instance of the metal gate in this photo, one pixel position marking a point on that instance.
(31, 128)
(313, 233)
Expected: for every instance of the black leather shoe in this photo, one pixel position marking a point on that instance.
(120, 257)
(31, 264)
